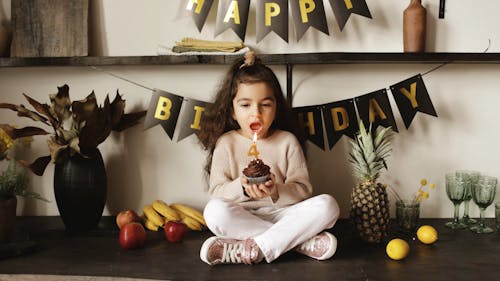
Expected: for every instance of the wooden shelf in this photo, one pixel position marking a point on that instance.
(277, 59)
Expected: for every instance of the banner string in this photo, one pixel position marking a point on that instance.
(120, 77)
(151, 89)
(448, 62)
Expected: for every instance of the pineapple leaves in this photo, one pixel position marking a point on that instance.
(369, 152)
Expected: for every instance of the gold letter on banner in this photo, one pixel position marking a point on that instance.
(337, 117)
(163, 108)
(336, 111)
(272, 10)
(233, 12)
(348, 4)
(375, 109)
(412, 94)
(306, 7)
(310, 122)
(199, 5)
(191, 118)
(197, 117)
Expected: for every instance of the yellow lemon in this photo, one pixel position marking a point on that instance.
(427, 234)
(397, 249)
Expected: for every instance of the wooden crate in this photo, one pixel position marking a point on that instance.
(49, 28)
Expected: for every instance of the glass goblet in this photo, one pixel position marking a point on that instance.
(483, 194)
(456, 186)
(473, 177)
(497, 216)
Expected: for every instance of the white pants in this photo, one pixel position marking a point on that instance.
(275, 230)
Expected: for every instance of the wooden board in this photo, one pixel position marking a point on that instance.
(49, 28)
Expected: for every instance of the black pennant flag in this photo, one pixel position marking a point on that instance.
(411, 96)
(344, 8)
(308, 13)
(164, 109)
(272, 15)
(340, 119)
(375, 108)
(191, 116)
(232, 14)
(199, 11)
(310, 120)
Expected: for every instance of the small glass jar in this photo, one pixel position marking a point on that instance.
(407, 214)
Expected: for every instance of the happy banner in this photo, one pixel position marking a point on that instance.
(307, 13)
(344, 8)
(232, 14)
(339, 117)
(199, 10)
(272, 15)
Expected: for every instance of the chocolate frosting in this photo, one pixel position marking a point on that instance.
(256, 168)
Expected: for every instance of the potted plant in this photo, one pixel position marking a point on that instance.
(78, 127)
(13, 183)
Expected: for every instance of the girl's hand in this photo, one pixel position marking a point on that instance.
(262, 190)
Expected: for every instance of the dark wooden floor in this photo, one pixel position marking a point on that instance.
(458, 255)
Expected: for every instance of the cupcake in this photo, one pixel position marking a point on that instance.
(257, 172)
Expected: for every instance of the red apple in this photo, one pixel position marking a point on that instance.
(126, 216)
(175, 231)
(132, 235)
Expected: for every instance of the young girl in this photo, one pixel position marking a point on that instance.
(259, 221)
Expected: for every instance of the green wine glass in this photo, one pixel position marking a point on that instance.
(483, 194)
(473, 177)
(456, 186)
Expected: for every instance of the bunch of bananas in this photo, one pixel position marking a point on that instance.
(158, 213)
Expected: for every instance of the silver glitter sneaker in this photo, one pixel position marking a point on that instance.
(320, 247)
(217, 250)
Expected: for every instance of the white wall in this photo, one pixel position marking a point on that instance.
(145, 165)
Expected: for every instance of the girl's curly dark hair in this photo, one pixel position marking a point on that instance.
(217, 118)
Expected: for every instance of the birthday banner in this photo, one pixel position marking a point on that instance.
(339, 117)
(272, 15)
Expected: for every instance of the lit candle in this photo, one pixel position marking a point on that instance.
(253, 148)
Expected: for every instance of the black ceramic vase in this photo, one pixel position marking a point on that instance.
(80, 186)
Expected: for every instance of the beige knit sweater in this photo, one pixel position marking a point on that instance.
(281, 151)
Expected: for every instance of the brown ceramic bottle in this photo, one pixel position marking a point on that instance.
(414, 25)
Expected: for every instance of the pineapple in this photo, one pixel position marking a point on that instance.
(369, 201)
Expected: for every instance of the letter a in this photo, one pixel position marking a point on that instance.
(233, 12)
(375, 109)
